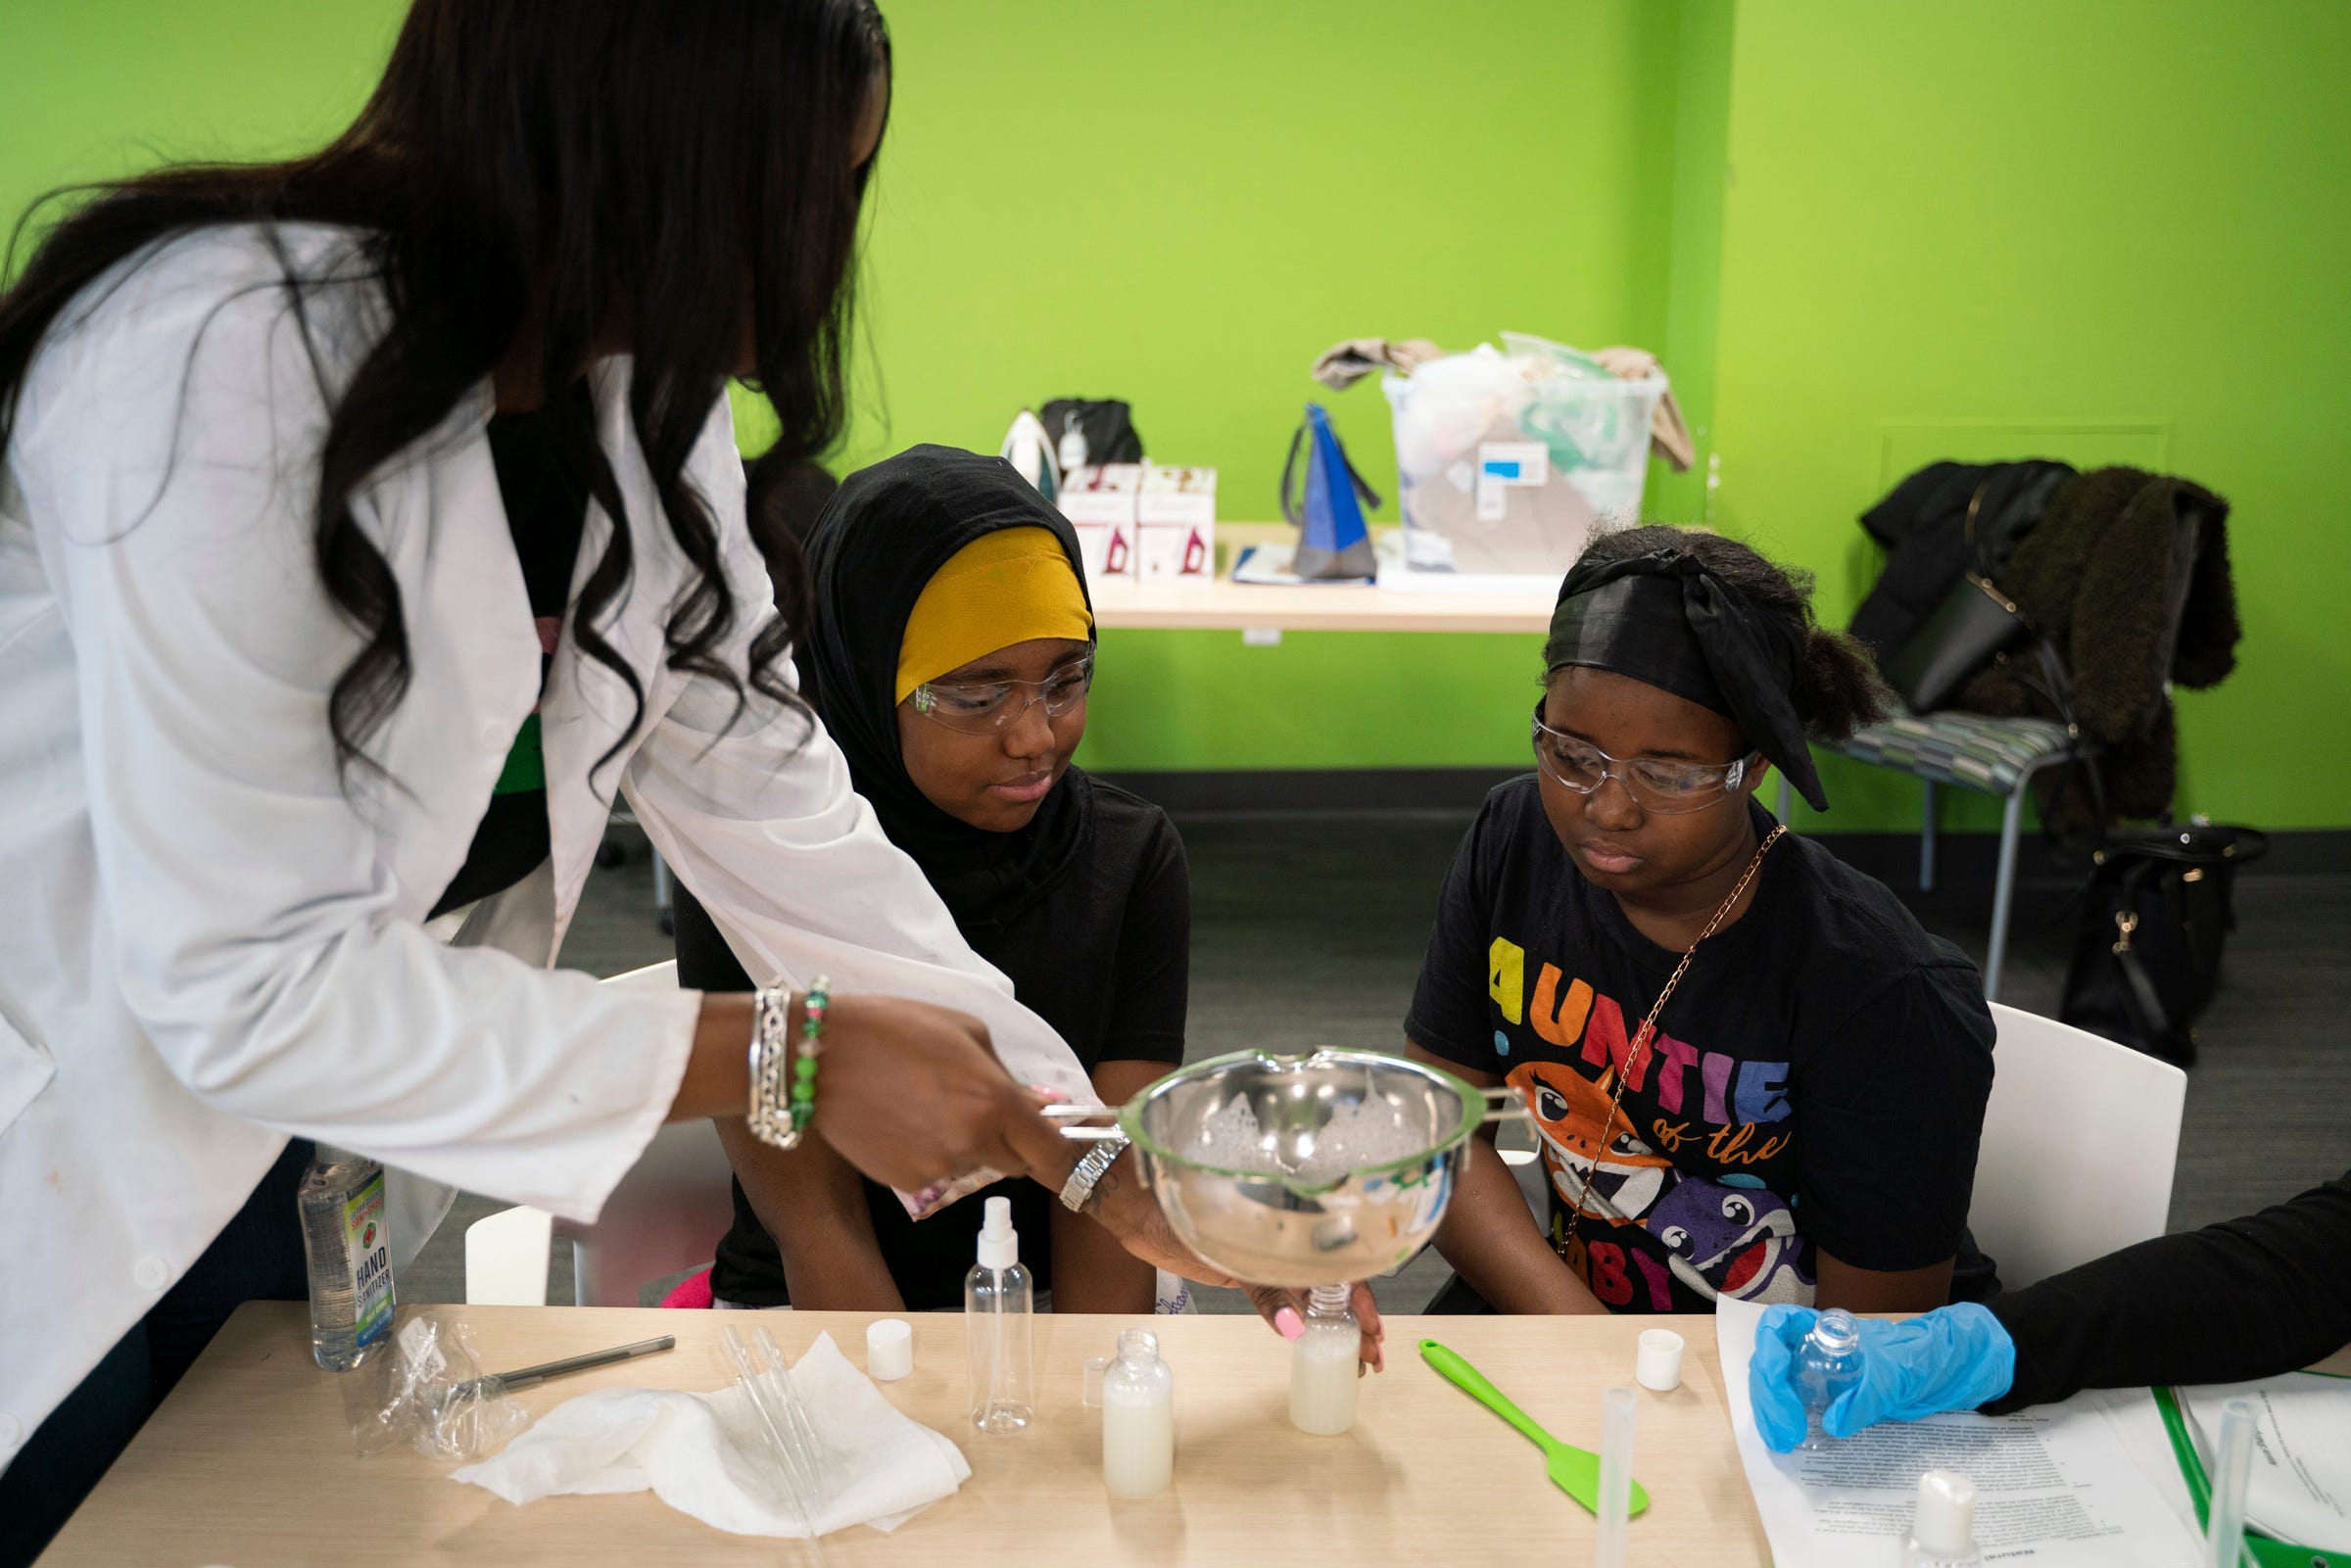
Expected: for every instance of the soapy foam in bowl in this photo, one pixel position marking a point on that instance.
(1360, 1134)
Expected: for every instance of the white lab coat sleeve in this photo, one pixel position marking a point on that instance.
(751, 807)
(259, 933)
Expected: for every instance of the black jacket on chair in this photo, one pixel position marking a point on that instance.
(2128, 574)
(1923, 524)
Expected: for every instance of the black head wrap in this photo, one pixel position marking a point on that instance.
(1666, 619)
(873, 549)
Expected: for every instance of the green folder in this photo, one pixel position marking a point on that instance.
(2265, 1552)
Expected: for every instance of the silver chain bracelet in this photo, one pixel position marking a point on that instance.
(769, 1114)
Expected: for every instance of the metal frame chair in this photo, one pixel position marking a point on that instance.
(1999, 757)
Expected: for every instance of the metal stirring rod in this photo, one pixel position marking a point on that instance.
(530, 1376)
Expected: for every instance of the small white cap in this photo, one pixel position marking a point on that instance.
(888, 1349)
(1946, 1513)
(1657, 1365)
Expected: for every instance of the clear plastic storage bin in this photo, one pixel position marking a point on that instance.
(1507, 462)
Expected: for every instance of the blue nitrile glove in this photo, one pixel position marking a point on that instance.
(1952, 1359)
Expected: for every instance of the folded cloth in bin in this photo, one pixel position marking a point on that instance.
(1668, 432)
(1343, 365)
(701, 1454)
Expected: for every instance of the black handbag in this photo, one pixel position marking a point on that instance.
(2148, 954)
(1970, 625)
(1091, 430)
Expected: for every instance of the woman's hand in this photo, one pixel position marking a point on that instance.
(1285, 1309)
(1122, 1206)
(911, 1094)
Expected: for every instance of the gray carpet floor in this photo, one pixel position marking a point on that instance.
(1308, 932)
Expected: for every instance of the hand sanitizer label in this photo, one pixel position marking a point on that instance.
(367, 1245)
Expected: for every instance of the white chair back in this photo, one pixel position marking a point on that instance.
(505, 1259)
(666, 1216)
(2079, 1139)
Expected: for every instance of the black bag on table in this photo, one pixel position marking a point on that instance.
(1091, 431)
(2148, 954)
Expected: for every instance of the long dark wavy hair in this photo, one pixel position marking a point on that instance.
(531, 175)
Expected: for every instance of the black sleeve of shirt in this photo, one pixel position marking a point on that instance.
(1449, 1011)
(1153, 977)
(2243, 1299)
(1889, 1111)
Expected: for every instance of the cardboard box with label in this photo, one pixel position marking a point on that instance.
(1176, 523)
(1100, 504)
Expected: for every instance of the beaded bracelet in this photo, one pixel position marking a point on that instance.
(812, 1036)
(768, 1115)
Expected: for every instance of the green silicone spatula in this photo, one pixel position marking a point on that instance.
(1574, 1470)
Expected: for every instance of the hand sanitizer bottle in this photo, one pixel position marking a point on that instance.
(1944, 1533)
(345, 1241)
(1138, 1418)
(999, 1316)
(1323, 1364)
(1826, 1364)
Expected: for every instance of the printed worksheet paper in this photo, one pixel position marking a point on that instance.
(2053, 1486)
(2300, 1488)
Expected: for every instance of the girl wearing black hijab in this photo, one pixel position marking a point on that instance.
(950, 654)
(1753, 1075)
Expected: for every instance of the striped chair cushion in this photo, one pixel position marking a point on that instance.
(1972, 750)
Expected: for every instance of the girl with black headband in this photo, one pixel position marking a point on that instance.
(950, 653)
(1754, 1073)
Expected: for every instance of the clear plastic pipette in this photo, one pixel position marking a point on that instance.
(2232, 1474)
(1615, 1477)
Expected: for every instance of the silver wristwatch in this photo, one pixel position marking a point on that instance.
(1079, 1189)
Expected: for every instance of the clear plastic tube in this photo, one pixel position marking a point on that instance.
(1615, 1477)
(2231, 1473)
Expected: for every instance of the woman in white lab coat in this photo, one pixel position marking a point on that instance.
(284, 448)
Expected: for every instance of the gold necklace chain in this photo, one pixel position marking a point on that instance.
(1649, 1029)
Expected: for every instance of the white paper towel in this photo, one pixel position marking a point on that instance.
(701, 1454)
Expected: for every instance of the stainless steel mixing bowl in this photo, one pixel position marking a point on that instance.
(1272, 1225)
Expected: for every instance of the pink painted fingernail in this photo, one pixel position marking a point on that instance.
(1051, 1096)
(1287, 1324)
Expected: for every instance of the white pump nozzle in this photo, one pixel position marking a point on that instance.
(999, 1243)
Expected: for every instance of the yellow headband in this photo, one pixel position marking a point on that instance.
(1012, 585)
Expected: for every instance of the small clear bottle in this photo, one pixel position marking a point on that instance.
(999, 1313)
(1138, 1418)
(1944, 1533)
(348, 1248)
(1323, 1364)
(1826, 1364)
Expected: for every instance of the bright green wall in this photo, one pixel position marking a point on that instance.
(1182, 204)
(2025, 222)
(1859, 232)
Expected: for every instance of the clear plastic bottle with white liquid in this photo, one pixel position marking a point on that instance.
(999, 1315)
(1323, 1364)
(1944, 1533)
(1828, 1362)
(1138, 1418)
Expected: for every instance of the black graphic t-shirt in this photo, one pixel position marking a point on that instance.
(1817, 1080)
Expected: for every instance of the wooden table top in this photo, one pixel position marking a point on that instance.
(241, 1461)
(1220, 603)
